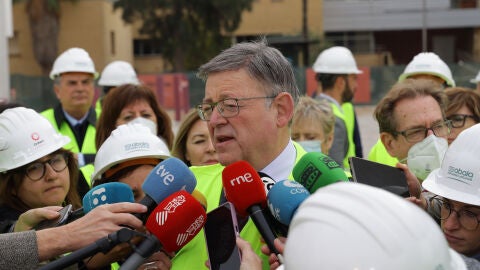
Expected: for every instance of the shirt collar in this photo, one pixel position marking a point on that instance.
(331, 100)
(281, 167)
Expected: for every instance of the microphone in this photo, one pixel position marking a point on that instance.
(174, 223)
(245, 190)
(268, 181)
(112, 192)
(277, 227)
(284, 199)
(315, 170)
(167, 177)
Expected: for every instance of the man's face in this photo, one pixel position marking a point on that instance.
(351, 85)
(75, 91)
(421, 111)
(252, 134)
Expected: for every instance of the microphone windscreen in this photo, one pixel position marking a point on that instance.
(243, 187)
(284, 198)
(108, 193)
(167, 177)
(200, 198)
(315, 170)
(176, 220)
(268, 181)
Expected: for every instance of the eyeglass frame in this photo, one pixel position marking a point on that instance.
(403, 133)
(44, 165)
(461, 212)
(201, 112)
(464, 119)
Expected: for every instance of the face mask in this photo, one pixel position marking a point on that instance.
(146, 122)
(312, 145)
(426, 156)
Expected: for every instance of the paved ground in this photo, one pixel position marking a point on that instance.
(368, 126)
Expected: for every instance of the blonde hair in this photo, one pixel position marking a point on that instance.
(317, 110)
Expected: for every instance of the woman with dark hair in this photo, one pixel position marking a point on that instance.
(35, 170)
(133, 103)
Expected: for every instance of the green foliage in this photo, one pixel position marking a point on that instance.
(188, 32)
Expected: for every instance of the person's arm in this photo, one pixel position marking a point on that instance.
(18, 250)
(98, 223)
(272, 259)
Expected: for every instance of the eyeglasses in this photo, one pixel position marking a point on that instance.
(36, 171)
(226, 107)
(468, 219)
(458, 120)
(413, 135)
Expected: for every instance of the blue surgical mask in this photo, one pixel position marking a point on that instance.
(311, 145)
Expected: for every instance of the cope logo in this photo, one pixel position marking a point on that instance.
(310, 175)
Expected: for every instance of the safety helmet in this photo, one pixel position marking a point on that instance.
(355, 226)
(458, 178)
(26, 136)
(476, 79)
(73, 60)
(336, 60)
(128, 142)
(428, 63)
(117, 73)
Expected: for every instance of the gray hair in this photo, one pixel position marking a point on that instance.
(263, 63)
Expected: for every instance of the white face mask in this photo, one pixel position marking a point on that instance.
(311, 146)
(426, 156)
(146, 122)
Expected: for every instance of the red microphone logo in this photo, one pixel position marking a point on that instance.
(162, 216)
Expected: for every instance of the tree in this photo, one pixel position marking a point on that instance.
(44, 20)
(187, 32)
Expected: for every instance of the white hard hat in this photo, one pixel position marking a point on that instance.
(476, 79)
(458, 178)
(355, 226)
(73, 60)
(336, 60)
(128, 142)
(117, 73)
(26, 136)
(428, 63)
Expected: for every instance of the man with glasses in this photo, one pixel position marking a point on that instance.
(410, 112)
(457, 186)
(249, 100)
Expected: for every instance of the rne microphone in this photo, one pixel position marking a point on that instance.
(284, 198)
(174, 223)
(245, 190)
(167, 177)
(315, 170)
